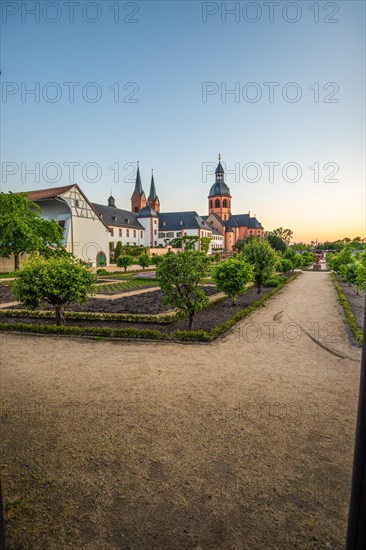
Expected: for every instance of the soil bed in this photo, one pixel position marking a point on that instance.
(207, 319)
(356, 302)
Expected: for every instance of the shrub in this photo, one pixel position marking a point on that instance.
(181, 277)
(143, 261)
(56, 281)
(262, 257)
(284, 265)
(232, 277)
(125, 262)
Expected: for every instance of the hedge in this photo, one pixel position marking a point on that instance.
(356, 331)
(132, 333)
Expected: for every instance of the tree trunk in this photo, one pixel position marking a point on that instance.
(190, 321)
(259, 288)
(16, 262)
(60, 315)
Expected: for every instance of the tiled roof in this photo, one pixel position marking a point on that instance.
(247, 221)
(117, 217)
(50, 193)
(175, 221)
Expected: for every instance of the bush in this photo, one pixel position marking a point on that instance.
(181, 278)
(56, 281)
(102, 271)
(284, 265)
(262, 257)
(232, 277)
(143, 261)
(125, 262)
(275, 281)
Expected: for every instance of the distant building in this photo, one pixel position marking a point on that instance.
(86, 235)
(92, 231)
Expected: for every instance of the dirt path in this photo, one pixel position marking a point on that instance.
(244, 444)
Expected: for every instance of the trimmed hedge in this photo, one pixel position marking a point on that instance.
(90, 316)
(356, 331)
(131, 333)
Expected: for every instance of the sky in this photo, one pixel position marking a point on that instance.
(277, 88)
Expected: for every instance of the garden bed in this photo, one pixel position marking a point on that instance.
(208, 323)
(356, 301)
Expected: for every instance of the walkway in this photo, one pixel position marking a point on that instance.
(243, 444)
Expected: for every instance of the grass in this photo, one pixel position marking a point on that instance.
(125, 286)
(6, 275)
(355, 329)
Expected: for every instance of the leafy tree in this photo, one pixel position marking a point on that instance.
(176, 242)
(205, 244)
(306, 259)
(22, 230)
(276, 242)
(55, 281)
(181, 279)
(189, 242)
(143, 261)
(124, 261)
(217, 256)
(232, 277)
(261, 255)
(118, 251)
(344, 257)
(348, 272)
(284, 234)
(284, 265)
(360, 278)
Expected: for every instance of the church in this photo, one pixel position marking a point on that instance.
(146, 225)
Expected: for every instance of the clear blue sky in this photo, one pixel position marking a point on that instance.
(169, 53)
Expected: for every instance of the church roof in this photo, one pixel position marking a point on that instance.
(247, 221)
(219, 168)
(138, 184)
(117, 217)
(176, 221)
(147, 212)
(152, 195)
(219, 188)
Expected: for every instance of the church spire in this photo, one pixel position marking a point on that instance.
(138, 184)
(138, 199)
(153, 199)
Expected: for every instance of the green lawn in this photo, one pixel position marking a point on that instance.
(125, 286)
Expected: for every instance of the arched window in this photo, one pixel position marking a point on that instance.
(217, 203)
(211, 204)
(224, 204)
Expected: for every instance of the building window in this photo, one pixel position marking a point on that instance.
(141, 234)
(127, 233)
(120, 232)
(134, 233)
(217, 203)
(210, 204)
(224, 204)
(77, 204)
(136, 209)
(155, 231)
(112, 232)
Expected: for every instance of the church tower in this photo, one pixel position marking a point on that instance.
(138, 199)
(153, 199)
(219, 198)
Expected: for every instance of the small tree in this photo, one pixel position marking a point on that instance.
(55, 281)
(189, 242)
(143, 260)
(125, 262)
(22, 230)
(205, 244)
(276, 242)
(262, 257)
(360, 277)
(181, 278)
(118, 251)
(232, 277)
(284, 265)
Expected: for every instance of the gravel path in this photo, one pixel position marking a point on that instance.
(243, 444)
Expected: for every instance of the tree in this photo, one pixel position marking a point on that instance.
(143, 261)
(360, 277)
(124, 261)
(284, 234)
(232, 277)
(118, 251)
(306, 259)
(205, 244)
(344, 257)
(189, 242)
(261, 255)
(181, 279)
(276, 242)
(22, 230)
(284, 265)
(55, 281)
